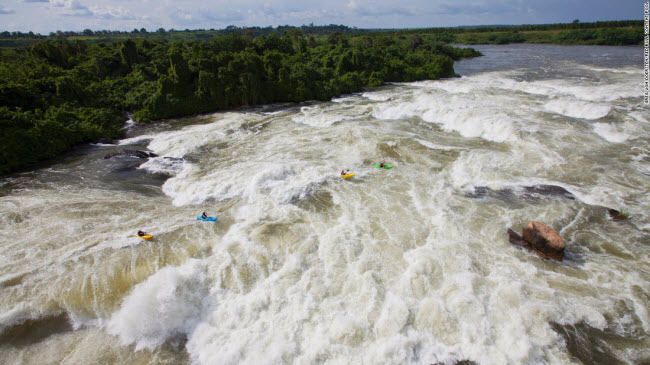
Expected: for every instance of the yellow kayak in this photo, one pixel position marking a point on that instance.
(346, 176)
(145, 237)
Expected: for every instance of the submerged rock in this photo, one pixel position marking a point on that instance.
(616, 215)
(458, 362)
(548, 190)
(516, 239)
(484, 191)
(131, 153)
(529, 192)
(545, 239)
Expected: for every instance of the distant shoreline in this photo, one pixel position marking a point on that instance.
(612, 33)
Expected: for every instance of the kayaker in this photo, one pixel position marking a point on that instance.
(382, 165)
(204, 215)
(142, 233)
(342, 172)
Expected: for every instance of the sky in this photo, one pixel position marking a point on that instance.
(44, 16)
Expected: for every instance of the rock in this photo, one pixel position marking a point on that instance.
(616, 215)
(544, 239)
(516, 239)
(483, 192)
(548, 190)
(131, 153)
(529, 192)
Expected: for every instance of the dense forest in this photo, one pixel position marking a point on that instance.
(620, 32)
(58, 93)
(612, 33)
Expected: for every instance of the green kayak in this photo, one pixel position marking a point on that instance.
(385, 166)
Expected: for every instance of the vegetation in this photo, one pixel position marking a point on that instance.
(594, 36)
(20, 39)
(614, 33)
(622, 32)
(55, 94)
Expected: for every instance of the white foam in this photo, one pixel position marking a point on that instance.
(17, 315)
(378, 95)
(471, 116)
(129, 123)
(135, 140)
(594, 93)
(624, 70)
(610, 133)
(320, 116)
(577, 109)
(599, 92)
(167, 304)
(179, 143)
(170, 166)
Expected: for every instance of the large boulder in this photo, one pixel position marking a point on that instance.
(545, 239)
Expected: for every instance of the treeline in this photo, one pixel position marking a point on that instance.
(624, 32)
(20, 39)
(310, 29)
(598, 36)
(576, 24)
(55, 94)
(614, 33)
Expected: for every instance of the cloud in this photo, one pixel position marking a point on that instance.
(70, 8)
(373, 9)
(4, 10)
(457, 9)
(201, 17)
(231, 16)
(117, 13)
(497, 8)
(48, 15)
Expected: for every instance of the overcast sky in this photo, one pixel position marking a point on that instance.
(44, 16)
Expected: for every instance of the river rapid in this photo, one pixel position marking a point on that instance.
(410, 265)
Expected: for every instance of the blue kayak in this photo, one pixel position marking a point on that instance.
(208, 219)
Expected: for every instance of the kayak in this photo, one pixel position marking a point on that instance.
(385, 166)
(208, 219)
(145, 237)
(346, 176)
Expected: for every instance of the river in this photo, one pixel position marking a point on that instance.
(410, 265)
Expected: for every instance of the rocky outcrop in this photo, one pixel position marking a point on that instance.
(541, 239)
(131, 153)
(545, 239)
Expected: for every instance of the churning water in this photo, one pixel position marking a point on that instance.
(399, 266)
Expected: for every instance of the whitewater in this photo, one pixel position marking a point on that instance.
(410, 265)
